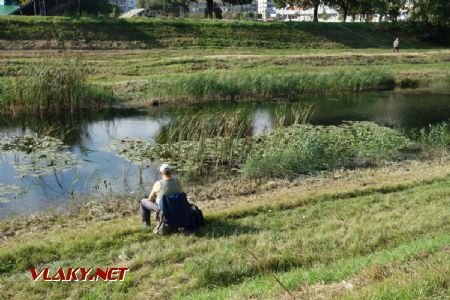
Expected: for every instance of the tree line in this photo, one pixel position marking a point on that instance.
(436, 12)
(432, 12)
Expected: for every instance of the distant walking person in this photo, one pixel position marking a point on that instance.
(396, 43)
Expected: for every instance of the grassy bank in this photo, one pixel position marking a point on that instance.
(194, 60)
(311, 236)
(111, 33)
(142, 78)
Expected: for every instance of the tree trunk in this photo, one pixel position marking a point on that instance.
(209, 8)
(345, 8)
(316, 12)
(394, 17)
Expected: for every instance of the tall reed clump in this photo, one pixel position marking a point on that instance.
(440, 84)
(265, 83)
(212, 140)
(195, 125)
(435, 140)
(305, 149)
(56, 85)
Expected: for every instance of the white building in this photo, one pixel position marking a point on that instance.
(295, 13)
(125, 5)
(266, 9)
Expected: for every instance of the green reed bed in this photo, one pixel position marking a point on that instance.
(267, 83)
(440, 84)
(287, 151)
(52, 86)
(435, 139)
(208, 140)
(195, 125)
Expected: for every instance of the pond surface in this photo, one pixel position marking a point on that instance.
(102, 172)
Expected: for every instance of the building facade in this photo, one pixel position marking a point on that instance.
(266, 9)
(295, 13)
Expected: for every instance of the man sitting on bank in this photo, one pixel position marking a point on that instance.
(168, 185)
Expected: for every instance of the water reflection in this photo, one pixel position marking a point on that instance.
(103, 172)
(71, 128)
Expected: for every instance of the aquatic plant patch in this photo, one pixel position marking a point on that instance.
(187, 157)
(29, 143)
(42, 156)
(435, 139)
(8, 191)
(287, 150)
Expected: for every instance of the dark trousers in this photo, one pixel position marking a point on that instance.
(396, 50)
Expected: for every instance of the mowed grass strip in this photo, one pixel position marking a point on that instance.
(304, 245)
(425, 275)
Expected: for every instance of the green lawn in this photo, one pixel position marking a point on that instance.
(370, 239)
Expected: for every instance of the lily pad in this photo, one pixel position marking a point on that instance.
(43, 155)
(8, 191)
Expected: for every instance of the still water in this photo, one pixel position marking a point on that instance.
(102, 172)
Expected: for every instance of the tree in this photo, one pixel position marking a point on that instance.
(210, 5)
(165, 7)
(364, 8)
(344, 6)
(435, 12)
(394, 8)
(96, 7)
